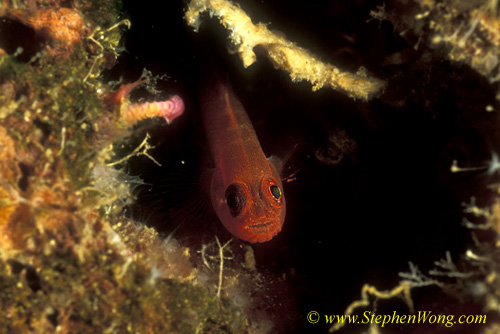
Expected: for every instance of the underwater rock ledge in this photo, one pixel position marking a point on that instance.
(63, 265)
(72, 262)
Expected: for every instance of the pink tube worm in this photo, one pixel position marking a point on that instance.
(132, 113)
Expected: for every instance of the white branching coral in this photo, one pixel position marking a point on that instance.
(448, 268)
(476, 283)
(284, 54)
(492, 166)
(415, 278)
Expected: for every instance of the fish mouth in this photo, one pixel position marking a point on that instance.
(262, 230)
(259, 225)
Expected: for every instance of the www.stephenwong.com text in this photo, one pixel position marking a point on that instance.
(421, 317)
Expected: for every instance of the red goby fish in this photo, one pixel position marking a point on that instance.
(245, 188)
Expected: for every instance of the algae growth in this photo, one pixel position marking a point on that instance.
(71, 261)
(62, 266)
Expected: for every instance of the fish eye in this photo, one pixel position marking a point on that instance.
(235, 199)
(275, 191)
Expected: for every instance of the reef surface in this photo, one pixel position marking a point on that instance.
(394, 106)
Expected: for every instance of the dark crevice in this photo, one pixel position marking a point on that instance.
(26, 171)
(19, 39)
(32, 278)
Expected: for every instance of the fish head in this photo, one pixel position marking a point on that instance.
(252, 208)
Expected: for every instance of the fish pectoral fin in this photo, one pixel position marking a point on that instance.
(277, 162)
(289, 166)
